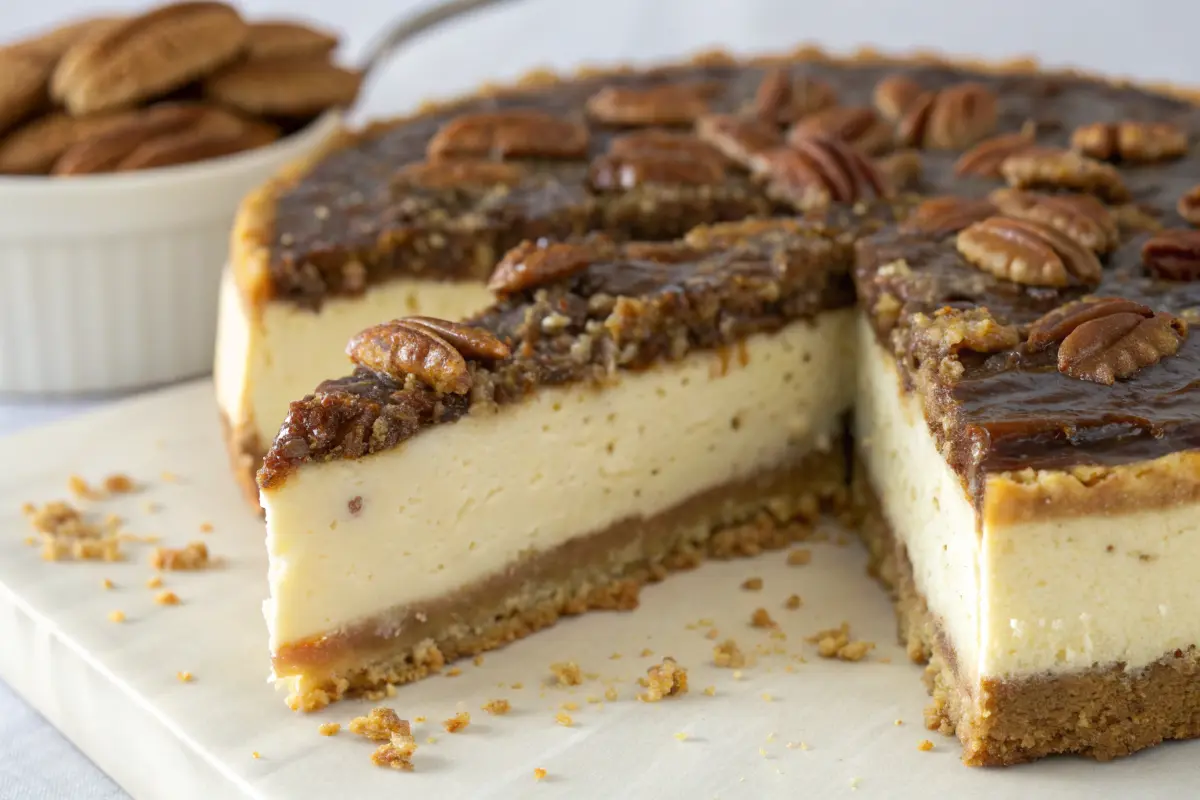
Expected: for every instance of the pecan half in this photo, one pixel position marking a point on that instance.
(1136, 142)
(952, 118)
(1189, 205)
(860, 126)
(668, 104)
(941, 216)
(895, 94)
(398, 349)
(817, 170)
(782, 99)
(464, 173)
(1116, 346)
(662, 143)
(739, 139)
(1058, 324)
(1080, 216)
(901, 170)
(475, 343)
(532, 264)
(1027, 252)
(517, 133)
(984, 159)
(1173, 254)
(656, 156)
(1046, 168)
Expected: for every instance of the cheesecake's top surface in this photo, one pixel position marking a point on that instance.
(442, 194)
(566, 313)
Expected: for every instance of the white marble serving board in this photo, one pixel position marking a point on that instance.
(112, 688)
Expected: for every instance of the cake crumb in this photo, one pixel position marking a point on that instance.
(256, 755)
(116, 616)
(166, 599)
(836, 643)
(79, 487)
(539, 774)
(478, 660)
(119, 483)
(380, 725)
(761, 619)
(569, 706)
(711, 691)
(456, 723)
(430, 739)
(169, 477)
(66, 534)
(206, 527)
(767, 696)
(793, 602)
(193, 556)
(752, 584)
(396, 753)
(646, 652)
(453, 672)
(681, 736)
(924, 745)
(799, 557)
(497, 707)
(567, 673)
(711, 633)
(154, 582)
(899, 722)
(610, 694)
(728, 655)
(329, 728)
(564, 719)
(614, 657)
(183, 676)
(418, 720)
(591, 698)
(518, 686)
(106, 584)
(666, 679)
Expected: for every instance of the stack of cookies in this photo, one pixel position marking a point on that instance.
(179, 83)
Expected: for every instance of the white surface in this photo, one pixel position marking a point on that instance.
(97, 679)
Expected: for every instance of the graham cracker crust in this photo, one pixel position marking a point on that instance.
(245, 457)
(601, 571)
(1103, 713)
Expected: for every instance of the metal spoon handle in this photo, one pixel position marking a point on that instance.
(413, 26)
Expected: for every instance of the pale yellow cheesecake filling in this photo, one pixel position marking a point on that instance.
(466, 500)
(264, 364)
(1056, 594)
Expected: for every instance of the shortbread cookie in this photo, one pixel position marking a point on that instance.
(32, 148)
(197, 144)
(22, 86)
(285, 87)
(53, 44)
(148, 55)
(273, 39)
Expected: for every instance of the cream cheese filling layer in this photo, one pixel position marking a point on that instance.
(1058, 594)
(463, 501)
(263, 364)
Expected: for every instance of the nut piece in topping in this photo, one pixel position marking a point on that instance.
(459, 174)
(1027, 252)
(895, 94)
(781, 99)
(532, 264)
(950, 331)
(1173, 254)
(901, 170)
(666, 679)
(1189, 205)
(380, 725)
(952, 118)
(657, 156)
(1116, 346)
(1080, 216)
(516, 133)
(669, 104)
(941, 216)
(815, 171)
(1047, 168)
(194, 556)
(1134, 142)
(1059, 323)
(984, 159)
(859, 126)
(398, 349)
(739, 139)
(474, 343)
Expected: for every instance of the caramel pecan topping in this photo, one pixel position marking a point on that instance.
(460, 173)
(1027, 252)
(734, 234)
(661, 252)
(1058, 324)
(782, 99)
(817, 170)
(398, 348)
(531, 264)
(1189, 206)
(656, 156)
(1046, 168)
(1137, 142)
(669, 104)
(901, 170)
(739, 139)
(518, 133)
(661, 143)
(1082, 217)
(984, 159)
(1116, 346)
(955, 117)
(474, 343)
(953, 330)
(941, 216)
(1173, 254)
(895, 94)
(859, 126)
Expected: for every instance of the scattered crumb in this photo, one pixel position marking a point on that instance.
(256, 754)
(478, 660)
(666, 679)
(497, 707)
(567, 673)
(836, 643)
(681, 736)
(150, 507)
(30, 541)
(899, 722)
(646, 651)
(752, 584)
(116, 616)
(728, 654)
(711, 691)
(328, 728)
(854, 783)
(106, 584)
(418, 720)
(518, 686)
(66, 534)
(380, 724)
(539, 774)
(799, 557)
(793, 602)
(194, 556)
(591, 698)
(79, 487)
(737, 674)
(170, 477)
(924, 745)
(767, 696)
(453, 672)
(154, 583)
(184, 676)
(761, 619)
(119, 483)
(564, 719)
(792, 745)
(456, 723)
(396, 753)
(166, 599)
(569, 706)
(703, 621)
(610, 694)
(206, 527)
(711, 633)
(614, 656)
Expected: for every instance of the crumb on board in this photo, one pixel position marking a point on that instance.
(453, 672)
(646, 652)
(169, 477)
(836, 643)
(380, 724)
(711, 691)
(497, 707)
(793, 602)
(727, 654)
(665, 679)
(681, 736)
(569, 706)
(610, 694)
(539, 774)
(106, 584)
(183, 676)
(329, 728)
(66, 534)
(564, 719)
(799, 557)
(193, 556)
(457, 723)
(116, 616)
(752, 584)
(396, 753)
(761, 619)
(154, 582)
(206, 527)
(256, 755)
(567, 673)
(119, 483)
(78, 486)
(167, 598)
(924, 745)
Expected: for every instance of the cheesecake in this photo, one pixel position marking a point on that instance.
(1018, 263)
(622, 410)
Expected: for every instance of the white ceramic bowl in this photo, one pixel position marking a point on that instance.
(109, 282)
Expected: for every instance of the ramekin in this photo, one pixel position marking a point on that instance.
(109, 283)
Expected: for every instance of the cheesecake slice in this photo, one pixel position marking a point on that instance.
(621, 411)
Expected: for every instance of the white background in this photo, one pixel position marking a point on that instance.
(1150, 39)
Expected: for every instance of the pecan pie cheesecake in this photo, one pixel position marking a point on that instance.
(1026, 429)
